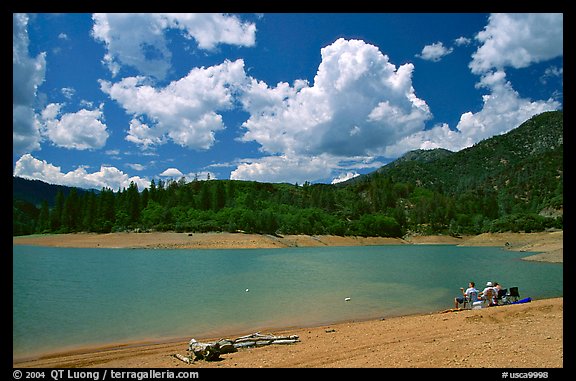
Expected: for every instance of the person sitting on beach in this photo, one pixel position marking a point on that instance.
(489, 294)
(497, 287)
(465, 295)
(500, 292)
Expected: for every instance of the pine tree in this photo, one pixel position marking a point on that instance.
(44, 218)
(56, 215)
(219, 196)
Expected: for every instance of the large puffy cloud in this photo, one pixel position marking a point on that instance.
(107, 177)
(138, 40)
(518, 40)
(79, 130)
(359, 104)
(27, 74)
(185, 111)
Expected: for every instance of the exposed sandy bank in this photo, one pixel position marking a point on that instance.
(549, 244)
(515, 336)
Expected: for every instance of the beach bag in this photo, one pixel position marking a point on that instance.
(525, 300)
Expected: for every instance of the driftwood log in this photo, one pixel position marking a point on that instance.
(182, 358)
(212, 351)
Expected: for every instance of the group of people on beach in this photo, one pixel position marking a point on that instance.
(471, 294)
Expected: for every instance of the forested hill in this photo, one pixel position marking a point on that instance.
(36, 191)
(518, 160)
(526, 164)
(511, 182)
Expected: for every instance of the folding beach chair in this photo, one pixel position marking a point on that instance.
(513, 295)
(501, 296)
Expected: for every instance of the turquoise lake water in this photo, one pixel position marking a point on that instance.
(64, 298)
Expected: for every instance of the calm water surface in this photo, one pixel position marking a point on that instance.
(75, 297)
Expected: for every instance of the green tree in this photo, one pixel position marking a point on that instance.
(71, 212)
(44, 218)
(152, 215)
(89, 211)
(56, 215)
(205, 196)
(219, 195)
(133, 203)
(106, 211)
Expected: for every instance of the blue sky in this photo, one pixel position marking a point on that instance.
(100, 100)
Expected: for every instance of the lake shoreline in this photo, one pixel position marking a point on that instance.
(548, 245)
(352, 335)
(450, 340)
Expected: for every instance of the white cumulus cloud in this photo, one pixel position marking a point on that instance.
(508, 40)
(502, 110)
(212, 29)
(285, 168)
(176, 174)
(435, 52)
(345, 177)
(359, 103)
(27, 74)
(138, 39)
(518, 40)
(107, 177)
(462, 41)
(79, 130)
(172, 172)
(185, 111)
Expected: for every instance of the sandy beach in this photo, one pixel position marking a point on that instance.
(526, 335)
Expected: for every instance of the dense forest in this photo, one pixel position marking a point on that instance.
(511, 182)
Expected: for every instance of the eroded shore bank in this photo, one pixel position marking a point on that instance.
(548, 245)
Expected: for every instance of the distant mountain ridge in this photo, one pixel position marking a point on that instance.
(36, 191)
(28, 197)
(497, 157)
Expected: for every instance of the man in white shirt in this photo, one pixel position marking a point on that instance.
(467, 296)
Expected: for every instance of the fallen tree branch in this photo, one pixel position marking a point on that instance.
(212, 351)
(182, 358)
